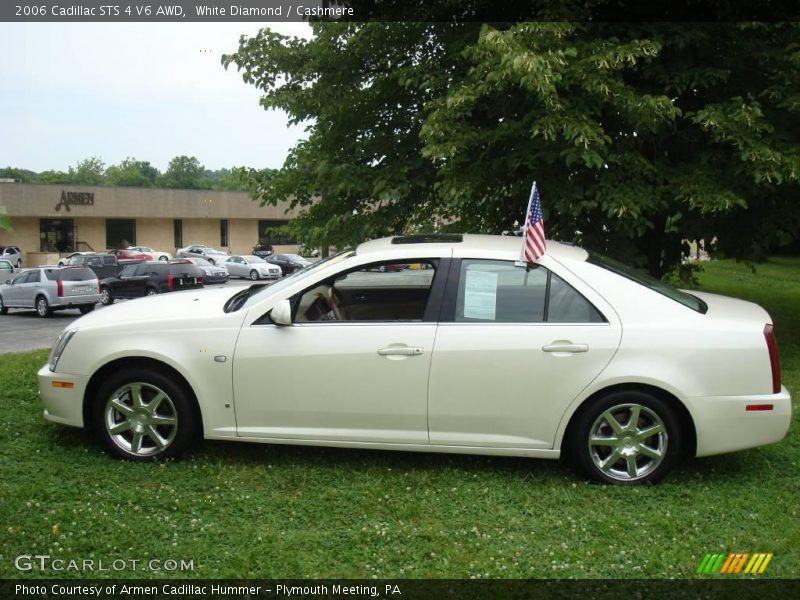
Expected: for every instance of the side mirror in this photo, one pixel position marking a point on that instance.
(281, 313)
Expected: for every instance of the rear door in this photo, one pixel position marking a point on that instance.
(515, 346)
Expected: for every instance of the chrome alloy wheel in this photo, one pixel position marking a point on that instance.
(627, 442)
(141, 419)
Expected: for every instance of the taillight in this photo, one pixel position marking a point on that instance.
(169, 281)
(59, 288)
(773, 358)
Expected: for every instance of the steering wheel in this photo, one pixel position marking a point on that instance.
(337, 306)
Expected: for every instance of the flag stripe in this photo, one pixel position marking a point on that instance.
(533, 245)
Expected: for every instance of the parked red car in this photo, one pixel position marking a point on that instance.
(132, 255)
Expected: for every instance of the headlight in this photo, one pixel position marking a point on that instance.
(59, 346)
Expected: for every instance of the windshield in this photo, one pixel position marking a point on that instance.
(648, 281)
(254, 259)
(200, 262)
(246, 298)
(295, 257)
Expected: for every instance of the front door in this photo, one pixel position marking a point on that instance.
(353, 366)
(518, 347)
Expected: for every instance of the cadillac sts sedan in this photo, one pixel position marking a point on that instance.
(434, 344)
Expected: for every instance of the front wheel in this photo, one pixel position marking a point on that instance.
(254, 275)
(627, 438)
(163, 258)
(3, 307)
(144, 415)
(43, 307)
(86, 308)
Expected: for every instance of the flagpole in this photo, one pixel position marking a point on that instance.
(522, 262)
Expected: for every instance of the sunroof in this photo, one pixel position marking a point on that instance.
(429, 238)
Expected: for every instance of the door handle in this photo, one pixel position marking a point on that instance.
(400, 351)
(565, 347)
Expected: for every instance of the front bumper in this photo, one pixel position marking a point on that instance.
(723, 423)
(62, 404)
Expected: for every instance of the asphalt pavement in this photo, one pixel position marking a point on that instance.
(23, 330)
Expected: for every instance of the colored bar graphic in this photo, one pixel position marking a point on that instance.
(734, 562)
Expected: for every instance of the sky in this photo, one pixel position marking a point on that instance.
(149, 91)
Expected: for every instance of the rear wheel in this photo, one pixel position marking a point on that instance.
(254, 275)
(151, 291)
(86, 308)
(19, 263)
(211, 261)
(163, 258)
(43, 307)
(627, 438)
(105, 296)
(144, 415)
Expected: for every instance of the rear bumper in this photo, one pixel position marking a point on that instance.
(73, 301)
(723, 423)
(62, 405)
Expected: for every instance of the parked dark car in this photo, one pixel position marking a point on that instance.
(104, 265)
(289, 263)
(262, 250)
(150, 278)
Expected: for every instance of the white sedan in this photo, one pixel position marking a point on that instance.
(251, 267)
(434, 344)
(156, 254)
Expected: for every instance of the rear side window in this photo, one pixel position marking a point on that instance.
(109, 260)
(647, 281)
(497, 291)
(76, 274)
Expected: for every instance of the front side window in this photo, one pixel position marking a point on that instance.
(6, 266)
(388, 291)
(497, 291)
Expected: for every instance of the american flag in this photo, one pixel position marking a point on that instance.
(533, 244)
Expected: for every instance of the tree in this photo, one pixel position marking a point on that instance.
(133, 173)
(90, 171)
(639, 135)
(185, 172)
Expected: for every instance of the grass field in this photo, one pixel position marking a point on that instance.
(241, 510)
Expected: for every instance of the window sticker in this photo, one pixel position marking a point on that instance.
(480, 295)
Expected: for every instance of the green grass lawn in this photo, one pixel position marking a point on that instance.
(245, 510)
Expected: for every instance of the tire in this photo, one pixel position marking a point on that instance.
(3, 307)
(19, 263)
(106, 299)
(151, 291)
(211, 261)
(86, 308)
(253, 275)
(43, 307)
(138, 430)
(163, 258)
(625, 457)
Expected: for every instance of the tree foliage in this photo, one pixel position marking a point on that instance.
(183, 172)
(639, 135)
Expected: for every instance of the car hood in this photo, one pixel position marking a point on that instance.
(169, 307)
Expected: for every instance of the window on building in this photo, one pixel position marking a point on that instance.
(56, 235)
(120, 233)
(223, 233)
(177, 228)
(268, 235)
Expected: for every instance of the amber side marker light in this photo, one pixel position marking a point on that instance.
(66, 384)
(751, 407)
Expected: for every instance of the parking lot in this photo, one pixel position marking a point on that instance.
(22, 330)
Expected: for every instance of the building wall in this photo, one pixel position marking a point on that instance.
(153, 209)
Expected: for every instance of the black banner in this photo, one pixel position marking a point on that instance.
(397, 10)
(743, 588)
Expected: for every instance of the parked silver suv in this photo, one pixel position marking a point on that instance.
(51, 288)
(12, 254)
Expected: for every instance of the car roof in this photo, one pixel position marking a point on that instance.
(470, 243)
